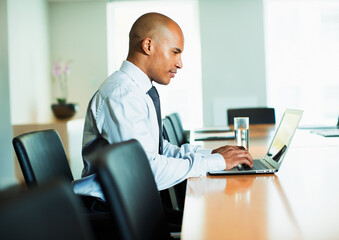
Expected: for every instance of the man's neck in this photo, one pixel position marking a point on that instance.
(138, 63)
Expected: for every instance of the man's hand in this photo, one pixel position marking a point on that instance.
(234, 155)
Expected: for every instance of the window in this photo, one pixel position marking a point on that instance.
(183, 94)
(302, 49)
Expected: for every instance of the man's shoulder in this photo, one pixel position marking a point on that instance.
(117, 83)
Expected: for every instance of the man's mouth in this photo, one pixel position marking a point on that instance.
(172, 74)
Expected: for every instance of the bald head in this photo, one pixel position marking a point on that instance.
(155, 46)
(150, 25)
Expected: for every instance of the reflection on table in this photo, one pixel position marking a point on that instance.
(299, 202)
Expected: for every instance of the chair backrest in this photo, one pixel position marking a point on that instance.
(178, 129)
(169, 132)
(131, 193)
(174, 133)
(256, 115)
(42, 157)
(49, 211)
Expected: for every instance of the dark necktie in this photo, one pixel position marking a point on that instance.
(153, 93)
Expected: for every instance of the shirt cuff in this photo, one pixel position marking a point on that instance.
(204, 151)
(88, 186)
(215, 162)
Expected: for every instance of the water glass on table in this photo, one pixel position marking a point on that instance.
(241, 129)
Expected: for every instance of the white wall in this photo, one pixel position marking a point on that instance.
(78, 33)
(6, 152)
(233, 57)
(29, 61)
(232, 39)
(186, 13)
(40, 32)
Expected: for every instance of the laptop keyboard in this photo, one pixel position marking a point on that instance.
(257, 165)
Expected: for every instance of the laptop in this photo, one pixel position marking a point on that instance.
(319, 127)
(327, 132)
(277, 150)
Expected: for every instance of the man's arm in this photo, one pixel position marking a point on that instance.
(130, 114)
(127, 115)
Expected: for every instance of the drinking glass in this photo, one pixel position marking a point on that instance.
(241, 129)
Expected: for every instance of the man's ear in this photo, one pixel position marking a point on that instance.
(146, 45)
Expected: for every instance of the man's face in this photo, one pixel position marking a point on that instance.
(166, 56)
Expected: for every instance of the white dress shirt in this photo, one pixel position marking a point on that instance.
(122, 110)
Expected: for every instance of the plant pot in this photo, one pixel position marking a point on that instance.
(64, 110)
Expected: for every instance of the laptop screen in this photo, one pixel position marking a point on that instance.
(284, 134)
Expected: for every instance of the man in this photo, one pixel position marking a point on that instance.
(123, 108)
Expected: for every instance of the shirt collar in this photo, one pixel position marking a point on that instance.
(137, 75)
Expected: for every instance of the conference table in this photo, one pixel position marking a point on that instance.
(301, 201)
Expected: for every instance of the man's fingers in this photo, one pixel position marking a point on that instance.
(239, 154)
(236, 163)
(236, 155)
(246, 161)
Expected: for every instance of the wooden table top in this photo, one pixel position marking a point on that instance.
(301, 201)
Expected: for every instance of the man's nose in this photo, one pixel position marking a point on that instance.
(179, 63)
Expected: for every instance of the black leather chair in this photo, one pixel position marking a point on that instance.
(169, 132)
(42, 157)
(50, 211)
(178, 129)
(176, 194)
(256, 115)
(131, 193)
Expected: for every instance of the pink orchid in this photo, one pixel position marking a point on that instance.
(60, 73)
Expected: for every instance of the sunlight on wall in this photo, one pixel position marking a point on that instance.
(28, 61)
(302, 48)
(183, 94)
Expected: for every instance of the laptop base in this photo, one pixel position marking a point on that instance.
(248, 172)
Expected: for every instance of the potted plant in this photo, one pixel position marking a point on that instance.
(62, 109)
